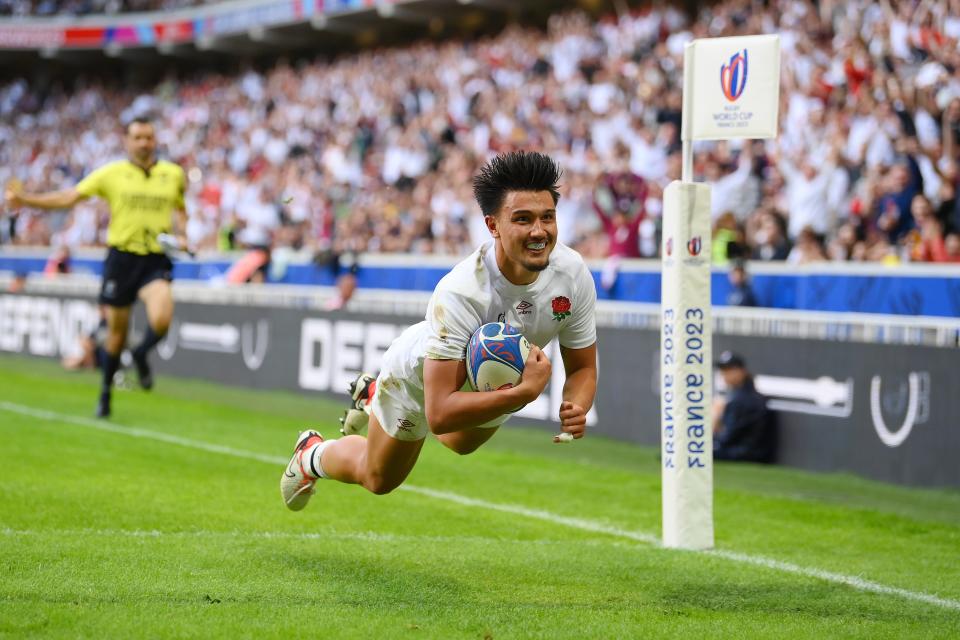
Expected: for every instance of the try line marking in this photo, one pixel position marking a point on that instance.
(547, 516)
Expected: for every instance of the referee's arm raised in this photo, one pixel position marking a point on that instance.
(63, 199)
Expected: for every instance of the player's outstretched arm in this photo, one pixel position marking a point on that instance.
(448, 409)
(51, 200)
(579, 390)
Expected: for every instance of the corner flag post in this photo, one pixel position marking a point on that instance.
(731, 89)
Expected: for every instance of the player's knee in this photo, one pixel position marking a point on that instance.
(160, 322)
(378, 484)
(161, 326)
(114, 343)
(463, 448)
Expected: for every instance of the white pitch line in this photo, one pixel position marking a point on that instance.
(103, 425)
(576, 523)
(851, 581)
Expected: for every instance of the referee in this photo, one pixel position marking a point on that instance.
(143, 194)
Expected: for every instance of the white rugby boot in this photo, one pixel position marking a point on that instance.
(299, 478)
(362, 390)
(355, 419)
(354, 422)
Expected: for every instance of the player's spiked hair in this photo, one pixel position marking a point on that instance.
(514, 171)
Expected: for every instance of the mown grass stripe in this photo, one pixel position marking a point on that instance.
(375, 536)
(577, 523)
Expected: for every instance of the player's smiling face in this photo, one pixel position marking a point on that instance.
(525, 228)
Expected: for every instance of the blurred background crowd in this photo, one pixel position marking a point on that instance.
(43, 8)
(374, 151)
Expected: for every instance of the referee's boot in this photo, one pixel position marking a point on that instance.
(103, 405)
(356, 418)
(144, 374)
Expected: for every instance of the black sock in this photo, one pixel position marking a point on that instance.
(150, 339)
(110, 365)
(100, 357)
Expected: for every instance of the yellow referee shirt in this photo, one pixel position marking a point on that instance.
(141, 202)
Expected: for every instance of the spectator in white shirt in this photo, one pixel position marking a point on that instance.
(807, 193)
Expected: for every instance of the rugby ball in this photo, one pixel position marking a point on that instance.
(495, 357)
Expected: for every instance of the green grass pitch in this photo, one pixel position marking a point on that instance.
(170, 525)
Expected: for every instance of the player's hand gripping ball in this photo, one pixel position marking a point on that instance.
(495, 357)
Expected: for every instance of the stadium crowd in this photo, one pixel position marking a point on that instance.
(46, 8)
(375, 151)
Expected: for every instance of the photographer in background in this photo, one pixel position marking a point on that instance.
(744, 429)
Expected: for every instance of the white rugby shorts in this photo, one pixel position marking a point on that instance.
(398, 406)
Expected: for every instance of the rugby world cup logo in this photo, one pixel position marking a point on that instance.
(694, 246)
(733, 76)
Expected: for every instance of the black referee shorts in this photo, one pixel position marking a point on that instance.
(124, 274)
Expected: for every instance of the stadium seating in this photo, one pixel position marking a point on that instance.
(315, 153)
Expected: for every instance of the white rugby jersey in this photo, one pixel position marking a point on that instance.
(559, 303)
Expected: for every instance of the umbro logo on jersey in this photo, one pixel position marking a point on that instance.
(524, 307)
(405, 425)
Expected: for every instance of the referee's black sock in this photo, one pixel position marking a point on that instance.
(110, 365)
(150, 339)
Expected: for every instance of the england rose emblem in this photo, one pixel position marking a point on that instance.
(561, 308)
